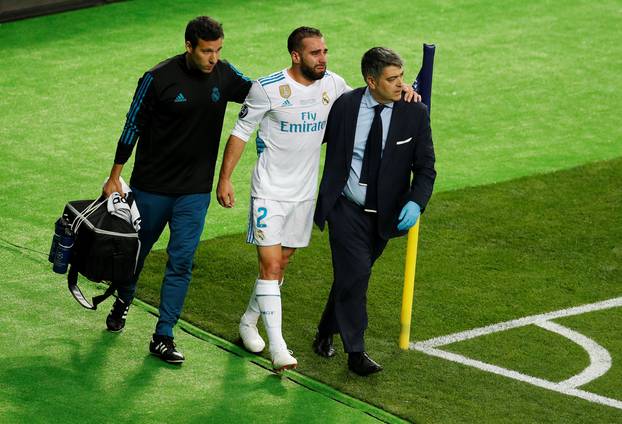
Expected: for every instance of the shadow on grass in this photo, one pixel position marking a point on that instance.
(65, 384)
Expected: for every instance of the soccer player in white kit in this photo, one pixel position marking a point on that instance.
(291, 108)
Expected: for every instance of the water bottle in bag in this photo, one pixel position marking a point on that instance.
(63, 248)
(59, 228)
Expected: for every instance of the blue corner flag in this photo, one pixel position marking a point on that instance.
(423, 82)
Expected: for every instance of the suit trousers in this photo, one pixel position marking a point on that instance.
(355, 246)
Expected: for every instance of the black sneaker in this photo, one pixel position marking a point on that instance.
(117, 316)
(164, 347)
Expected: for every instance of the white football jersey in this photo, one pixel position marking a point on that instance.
(292, 119)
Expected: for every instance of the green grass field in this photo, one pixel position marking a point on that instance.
(480, 262)
(525, 94)
(59, 365)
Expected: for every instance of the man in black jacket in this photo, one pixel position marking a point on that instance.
(176, 117)
(375, 143)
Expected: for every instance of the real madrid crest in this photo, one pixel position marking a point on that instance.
(285, 91)
(325, 98)
(215, 94)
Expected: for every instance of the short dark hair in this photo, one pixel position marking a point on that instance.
(294, 41)
(205, 28)
(376, 59)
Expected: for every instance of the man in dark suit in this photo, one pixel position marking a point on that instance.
(375, 143)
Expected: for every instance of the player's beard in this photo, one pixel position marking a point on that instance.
(310, 73)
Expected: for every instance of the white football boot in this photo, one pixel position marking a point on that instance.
(283, 360)
(250, 337)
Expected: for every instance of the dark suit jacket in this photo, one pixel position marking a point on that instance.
(400, 160)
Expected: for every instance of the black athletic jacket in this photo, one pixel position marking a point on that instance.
(177, 116)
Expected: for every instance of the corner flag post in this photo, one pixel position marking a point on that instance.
(409, 285)
(423, 85)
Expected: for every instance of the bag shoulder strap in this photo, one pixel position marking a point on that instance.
(72, 282)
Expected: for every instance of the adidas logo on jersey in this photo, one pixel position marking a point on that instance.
(180, 98)
(287, 103)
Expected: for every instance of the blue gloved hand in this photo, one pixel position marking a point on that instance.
(408, 216)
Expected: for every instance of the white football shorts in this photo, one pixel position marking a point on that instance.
(272, 222)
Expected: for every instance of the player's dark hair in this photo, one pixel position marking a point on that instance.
(205, 28)
(294, 41)
(376, 59)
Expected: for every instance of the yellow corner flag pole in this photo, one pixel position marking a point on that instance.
(409, 285)
(423, 85)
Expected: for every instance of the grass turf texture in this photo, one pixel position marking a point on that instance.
(487, 254)
(59, 365)
(519, 89)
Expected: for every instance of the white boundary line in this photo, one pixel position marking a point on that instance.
(521, 322)
(600, 360)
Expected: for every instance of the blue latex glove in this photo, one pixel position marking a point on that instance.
(408, 216)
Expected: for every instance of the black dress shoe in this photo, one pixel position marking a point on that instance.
(323, 345)
(362, 364)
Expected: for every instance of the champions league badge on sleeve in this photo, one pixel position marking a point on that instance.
(215, 94)
(243, 111)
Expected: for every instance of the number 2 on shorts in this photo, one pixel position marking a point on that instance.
(262, 214)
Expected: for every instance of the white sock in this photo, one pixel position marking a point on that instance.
(252, 313)
(268, 297)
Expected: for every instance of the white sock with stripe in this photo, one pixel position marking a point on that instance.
(252, 313)
(268, 297)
